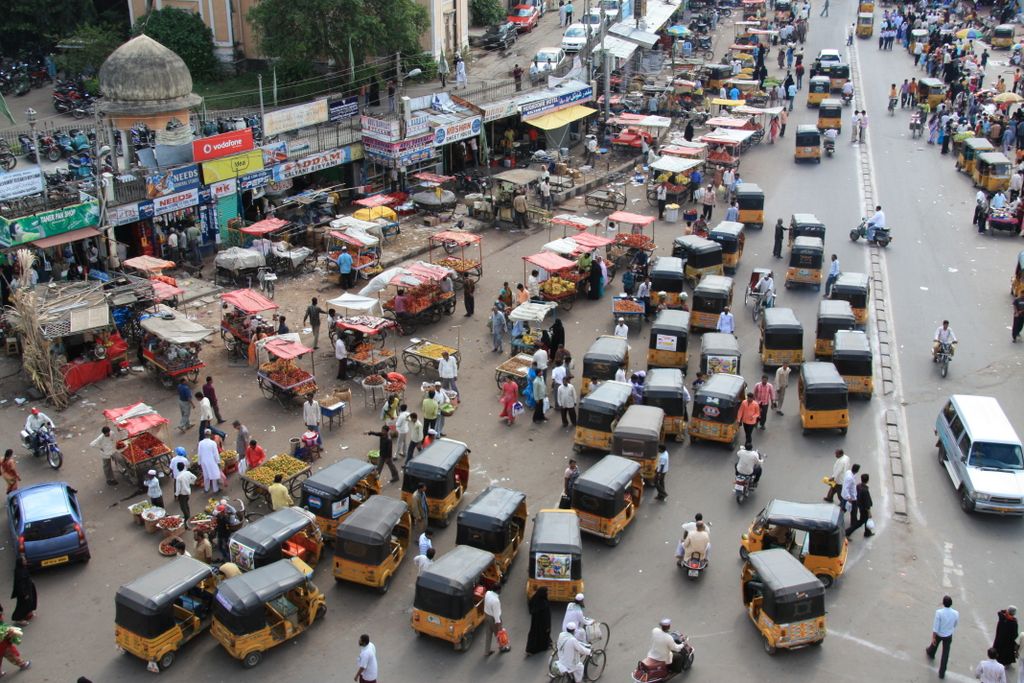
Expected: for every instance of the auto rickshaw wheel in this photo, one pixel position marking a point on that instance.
(444, 521)
(768, 647)
(383, 588)
(614, 540)
(744, 554)
(252, 659)
(321, 611)
(825, 579)
(576, 448)
(464, 642)
(842, 430)
(166, 661)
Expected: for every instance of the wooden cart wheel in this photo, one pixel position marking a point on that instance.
(267, 390)
(499, 379)
(251, 491)
(414, 364)
(284, 397)
(567, 303)
(193, 375)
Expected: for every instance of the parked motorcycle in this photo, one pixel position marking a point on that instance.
(652, 671)
(882, 235)
(45, 444)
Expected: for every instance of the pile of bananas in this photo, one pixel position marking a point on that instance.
(279, 464)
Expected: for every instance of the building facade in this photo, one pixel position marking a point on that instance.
(233, 36)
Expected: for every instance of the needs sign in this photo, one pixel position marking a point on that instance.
(222, 145)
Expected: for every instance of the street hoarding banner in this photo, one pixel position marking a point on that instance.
(293, 118)
(172, 181)
(48, 223)
(233, 166)
(222, 145)
(21, 183)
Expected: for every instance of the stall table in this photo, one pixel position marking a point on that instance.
(281, 378)
(425, 353)
(516, 368)
(137, 430)
(608, 200)
(450, 242)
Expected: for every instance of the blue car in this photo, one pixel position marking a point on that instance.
(47, 525)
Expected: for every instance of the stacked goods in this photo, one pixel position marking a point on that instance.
(431, 350)
(284, 373)
(281, 464)
(626, 306)
(142, 447)
(557, 287)
(635, 241)
(363, 260)
(366, 354)
(374, 380)
(457, 264)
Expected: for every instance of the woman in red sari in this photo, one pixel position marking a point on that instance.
(509, 396)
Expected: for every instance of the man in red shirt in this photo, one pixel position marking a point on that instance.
(747, 416)
(254, 455)
(764, 394)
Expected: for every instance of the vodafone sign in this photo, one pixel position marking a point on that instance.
(222, 145)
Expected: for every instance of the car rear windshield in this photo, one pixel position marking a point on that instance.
(49, 528)
(1001, 456)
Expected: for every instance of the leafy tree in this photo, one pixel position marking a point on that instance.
(486, 12)
(35, 26)
(185, 34)
(96, 41)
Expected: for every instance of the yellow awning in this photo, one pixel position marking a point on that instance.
(561, 118)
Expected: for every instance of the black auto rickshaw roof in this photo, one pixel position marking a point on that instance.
(607, 348)
(839, 69)
(249, 592)
(642, 421)
(152, 592)
(556, 531)
(270, 531)
(730, 228)
(457, 571)
(808, 129)
(713, 284)
(667, 265)
(492, 509)
(712, 68)
(697, 245)
(746, 188)
(719, 343)
(785, 576)
(803, 516)
(835, 308)
(664, 380)
(781, 320)
(340, 478)
(372, 522)
(820, 78)
(821, 377)
(608, 478)
(607, 397)
(437, 460)
(807, 243)
(930, 82)
(852, 343)
(673, 320)
(855, 281)
(723, 385)
(805, 219)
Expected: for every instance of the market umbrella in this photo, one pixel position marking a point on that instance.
(1010, 97)
(969, 33)
(678, 31)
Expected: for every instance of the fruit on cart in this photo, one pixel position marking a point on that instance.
(170, 523)
(374, 380)
(627, 306)
(282, 464)
(431, 350)
(367, 355)
(557, 286)
(142, 447)
(457, 264)
(636, 241)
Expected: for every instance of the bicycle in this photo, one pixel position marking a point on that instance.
(598, 636)
(267, 279)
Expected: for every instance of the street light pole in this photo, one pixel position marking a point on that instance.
(32, 117)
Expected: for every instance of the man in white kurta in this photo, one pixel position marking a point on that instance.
(209, 461)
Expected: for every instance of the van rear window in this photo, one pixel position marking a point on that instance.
(997, 455)
(49, 528)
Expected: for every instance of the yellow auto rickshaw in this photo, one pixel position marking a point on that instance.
(811, 532)
(730, 235)
(838, 75)
(808, 144)
(337, 490)
(715, 75)
(782, 338)
(851, 354)
(496, 522)
(853, 287)
(992, 171)
(666, 274)
(824, 398)
(830, 115)
(665, 388)
(918, 36)
(668, 340)
(969, 152)
(750, 201)
(701, 255)
(865, 24)
(833, 315)
(719, 352)
(604, 357)
(805, 225)
(785, 601)
(607, 495)
(556, 555)
(805, 260)
(1002, 36)
(444, 467)
(1017, 281)
(263, 608)
(638, 435)
(931, 90)
(715, 406)
(818, 89)
(288, 532)
(866, 6)
(449, 600)
(157, 613)
(597, 415)
(372, 542)
(711, 295)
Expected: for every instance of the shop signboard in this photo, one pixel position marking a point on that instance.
(233, 166)
(460, 130)
(393, 150)
(21, 183)
(274, 153)
(222, 145)
(343, 108)
(500, 110)
(293, 118)
(312, 163)
(172, 181)
(175, 202)
(549, 104)
(130, 213)
(380, 129)
(255, 180)
(224, 188)
(48, 223)
(417, 125)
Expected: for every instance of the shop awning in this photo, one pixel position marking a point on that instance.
(90, 318)
(578, 222)
(174, 327)
(641, 121)
(619, 48)
(248, 301)
(65, 238)
(164, 291)
(381, 200)
(459, 238)
(355, 304)
(286, 349)
(533, 311)
(148, 264)
(549, 261)
(265, 226)
(589, 240)
(518, 176)
(557, 119)
(630, 218)
(135, 419)
(673, 164)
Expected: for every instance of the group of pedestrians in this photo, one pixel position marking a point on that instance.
(1005, 650)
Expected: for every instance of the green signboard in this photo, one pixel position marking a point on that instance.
(48, 223)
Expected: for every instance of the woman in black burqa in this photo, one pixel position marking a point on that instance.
(539, 638)
(24, 592)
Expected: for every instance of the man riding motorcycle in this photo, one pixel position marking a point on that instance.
(664, 647)
(574, 616)
(571, 652)
(35, 422)
(689, 528)
(876, 222)
(831, 135)
(847, 91)
(943, 335)
(697, 542)
(748, 463)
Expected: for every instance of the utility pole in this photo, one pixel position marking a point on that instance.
(259, 80)
(398, 71)
(606, 75)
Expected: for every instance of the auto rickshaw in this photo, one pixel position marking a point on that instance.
(992, 171)
(805, 225)
(288, 532)
(714, 409)
(637, 436)
(833, 315)
(824, 398)
(969, 152)
(701, 255)
(665, 388)
(785, 601)
(337, 490)
(851, 355)
(607, 495)
(782, 338)
(372, 541)
(866, 6)
(1017, 281)
(1002, 36)
(750, 200)
(838, 75)
(496, 522)
(821, 546)
(667, 346)
(556, 555)
(917, 36)
(606, 355)
(667, 276)
(157, 613)
(933, 91)
(263, 608)
(853, 287)
(818, 89)
(865, 24)
(712, 294)
(808, 143)
(449, 600)
(830, 115)
(783, 11)
(719, 352)
(805, 259)
(730, 235)
(444, 467)
(597, 415)
(715, 75)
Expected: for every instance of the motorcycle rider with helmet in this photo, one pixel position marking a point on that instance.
(35, 421)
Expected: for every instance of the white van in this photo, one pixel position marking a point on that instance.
(982, 453)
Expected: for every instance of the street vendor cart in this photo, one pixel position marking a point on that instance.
(580, 223)
(414, 295)
(424, 353)
(386, 221)
(726, 145)
(559, 277)
(282, 256)
(515, 368)
(506, 185)
(241, 319)
(628, 308)
(358, 330)
(460, 251)
(674, 173)
(363, 247)
(238, 265)
(277, 375)
(606, 199)
(532, 315)
(257, 480)
(170, 345)
(140, 434)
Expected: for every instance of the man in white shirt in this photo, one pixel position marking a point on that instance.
(943, 335)
(990, 670)
(424, 561)
(620, 375)
(833, 275)
(448, 371)
(341, 355)
(206, 415)
(726, 323)
(209, 461)
(876, 221)
(621, 328)
(660, 470)
(766, 288)
(574, 615)
(107, 449)
(571, 652)
(311, 414)
(492, 615)
(540, 357)
(781, 382)
(533, 284)
(402, 427)
(839, 469)
(183, 481)
(35, 421)
(367, 661)
(181, 455)
(663, 645)
(426, 541)
(848, 494)
(558, 373)
(566, 397)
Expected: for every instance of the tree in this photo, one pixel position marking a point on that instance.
(35, 26)
(186, 35)
(486, 12)
(318, 30)
(96, 43)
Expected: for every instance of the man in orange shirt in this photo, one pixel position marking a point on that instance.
(747, 416)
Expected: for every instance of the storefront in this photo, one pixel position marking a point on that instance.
(456, 124)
